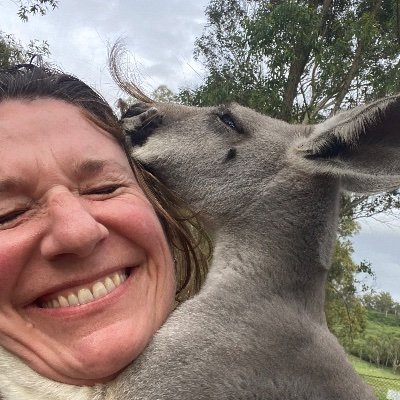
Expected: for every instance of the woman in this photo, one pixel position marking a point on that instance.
(87, 238)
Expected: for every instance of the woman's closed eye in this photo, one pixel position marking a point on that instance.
(11, 217)
(103, 190)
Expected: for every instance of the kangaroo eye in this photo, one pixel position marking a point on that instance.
(228, 120)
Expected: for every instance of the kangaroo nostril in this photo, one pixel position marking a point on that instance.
(139, 138)
(139, 125)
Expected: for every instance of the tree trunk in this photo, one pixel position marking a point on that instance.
(295, 72)
(355, 66)
(302, 55)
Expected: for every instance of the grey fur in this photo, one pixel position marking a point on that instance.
(257, 329)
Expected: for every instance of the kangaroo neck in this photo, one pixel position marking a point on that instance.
(284, 246)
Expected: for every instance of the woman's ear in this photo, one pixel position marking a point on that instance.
(360, 146)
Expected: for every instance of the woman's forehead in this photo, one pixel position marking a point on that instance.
(40, 130)
(46, 117)
(18, 111)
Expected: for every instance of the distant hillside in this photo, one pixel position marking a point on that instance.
(380, 343)
(376, 317)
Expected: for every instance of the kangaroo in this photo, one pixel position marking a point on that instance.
(269, 195)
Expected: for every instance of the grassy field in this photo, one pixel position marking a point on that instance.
(365, 368)
(382, 319)
(379, 324)
(380, 328)
(383, 380)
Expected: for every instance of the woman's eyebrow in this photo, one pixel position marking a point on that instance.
(10, 184)
(92, 167)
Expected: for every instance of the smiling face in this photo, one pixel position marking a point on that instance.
(86, 273)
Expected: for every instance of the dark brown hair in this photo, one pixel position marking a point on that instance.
(189, 243)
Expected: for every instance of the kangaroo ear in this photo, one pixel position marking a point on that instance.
(360, 146)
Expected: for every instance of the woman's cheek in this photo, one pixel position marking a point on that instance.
(15, 254)
(134, 217)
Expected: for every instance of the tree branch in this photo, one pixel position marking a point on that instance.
(355, 66)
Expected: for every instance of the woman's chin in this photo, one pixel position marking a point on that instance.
(100, 356)
(96, 357)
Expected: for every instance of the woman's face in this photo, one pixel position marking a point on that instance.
(86, 274)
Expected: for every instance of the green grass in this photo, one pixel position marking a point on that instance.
(381, 379)
(383, 320)
(365, 368)
(379, 324)
(379, 327)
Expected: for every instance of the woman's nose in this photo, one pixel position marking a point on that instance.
(72, 229)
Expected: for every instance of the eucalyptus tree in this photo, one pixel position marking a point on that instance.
(298, 60)
(11, 49)
(32, 7)
(13, 52)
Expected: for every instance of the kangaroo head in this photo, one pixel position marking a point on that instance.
(221, 159)
(216, 158)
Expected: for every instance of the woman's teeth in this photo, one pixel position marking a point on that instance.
(87, 294)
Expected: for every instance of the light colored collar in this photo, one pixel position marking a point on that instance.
(19, 382)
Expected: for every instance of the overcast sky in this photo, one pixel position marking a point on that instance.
(160, 36)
